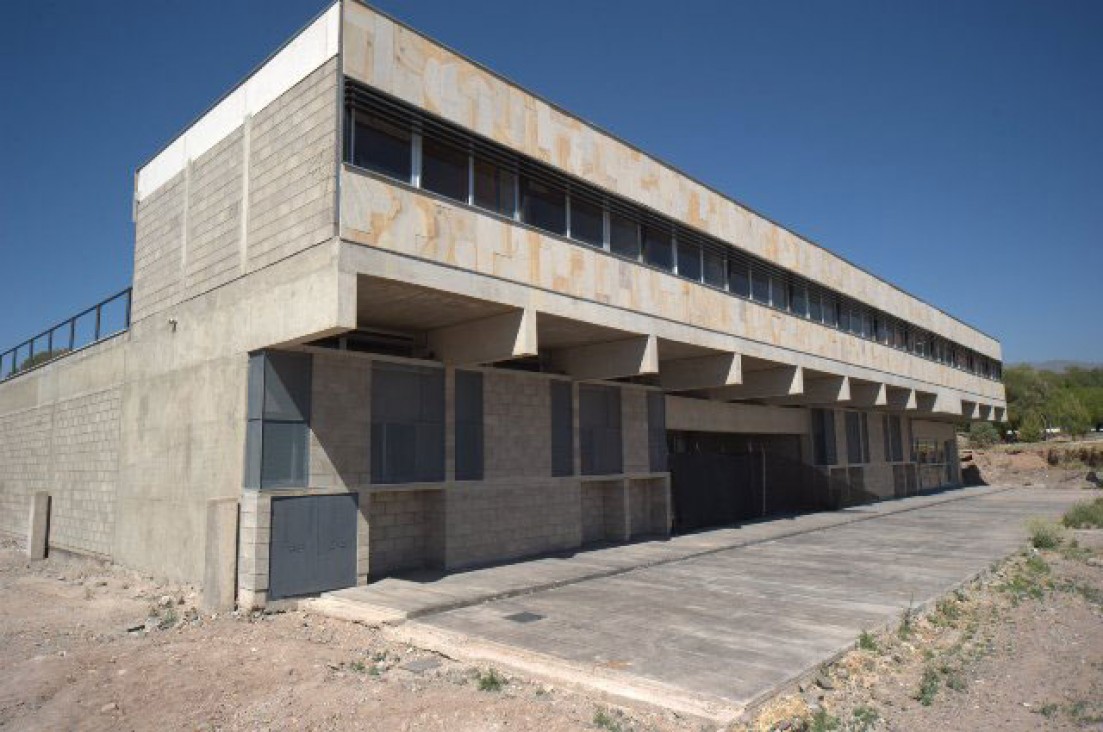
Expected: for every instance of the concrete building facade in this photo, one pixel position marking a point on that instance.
(391, 311)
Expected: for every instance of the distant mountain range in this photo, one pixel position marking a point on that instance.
(1061, 366)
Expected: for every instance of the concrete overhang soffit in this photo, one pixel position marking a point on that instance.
(818, 390)
(701, 372)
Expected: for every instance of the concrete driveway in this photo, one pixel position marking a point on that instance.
(712, 633)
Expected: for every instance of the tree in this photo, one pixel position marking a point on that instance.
(983, 434)
(1066, 411)
(40, 358)
(1028, 390)
(1032, 427)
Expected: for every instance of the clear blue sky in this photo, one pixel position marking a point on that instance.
(953, 148)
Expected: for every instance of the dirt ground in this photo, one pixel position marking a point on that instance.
(92, 646)
(1019, 649)
(1065, 464)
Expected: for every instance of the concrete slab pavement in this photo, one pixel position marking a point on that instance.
(708, 624)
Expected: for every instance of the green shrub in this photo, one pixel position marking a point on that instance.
(867, 642)
(491, 681)
(1044, 534)
(605, 720)
(1032, 428)
(928, 687)
(823, 722)
(1085, 515)
(983, 434)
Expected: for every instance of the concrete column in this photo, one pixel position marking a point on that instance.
(38, 526)
(220, 565)
(255, 530)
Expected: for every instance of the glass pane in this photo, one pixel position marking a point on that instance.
(444, 169)
(760, 287)
(830, 312)
(815, 307)
(494, 187)
(714, 270)
(689, 261)
(624, 236)
(382, 147)
(779, 292)
(543, 206)
(658, 249)
(739, 279)
(587, 222)
(798, 300)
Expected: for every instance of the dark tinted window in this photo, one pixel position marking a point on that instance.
(381, 146)
(278, 430)
(624, 236)
(798, 300)
(714, 270)
(587, 222)
(823, 437)
(760, 286)
(658, 249)
(779, 292)
(407, 424)
(562, 428)
(469, 425)
(444, 169)
(494, 187)
(543, 206)
(689, 261)
(739, 279)
(815, 307)
(599, 429)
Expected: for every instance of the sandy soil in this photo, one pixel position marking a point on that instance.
(88, 646)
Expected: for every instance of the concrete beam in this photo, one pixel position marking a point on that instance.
(784, 381)
(985, 412)
(497, 338)
(220, 562)
(998, 414)
(609, 360)
(703, 372)
(866, 395)
(820, 390)
(970, 410)
(938, 403)
(900, 400)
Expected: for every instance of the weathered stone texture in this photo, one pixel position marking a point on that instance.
(292, 177)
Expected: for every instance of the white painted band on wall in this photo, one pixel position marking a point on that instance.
(306, 52)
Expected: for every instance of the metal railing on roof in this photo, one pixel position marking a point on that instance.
(101, 321)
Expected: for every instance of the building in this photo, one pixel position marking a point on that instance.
(391, 310)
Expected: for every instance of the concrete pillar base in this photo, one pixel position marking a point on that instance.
(220, 566)
(38, 526)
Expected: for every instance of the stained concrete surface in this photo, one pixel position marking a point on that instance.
(733, 625)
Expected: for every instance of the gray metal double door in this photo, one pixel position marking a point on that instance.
(313, 545)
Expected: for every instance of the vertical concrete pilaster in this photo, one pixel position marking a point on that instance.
(38, 526)
(256, 533)
(220, 565)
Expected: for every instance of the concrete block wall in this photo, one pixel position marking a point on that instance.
(85, 472)
(516, 425)
(212, 254)
(340, 422)
(59, 434)
(403, 526)
(488, 522)
(264, 192)
(292, 169)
